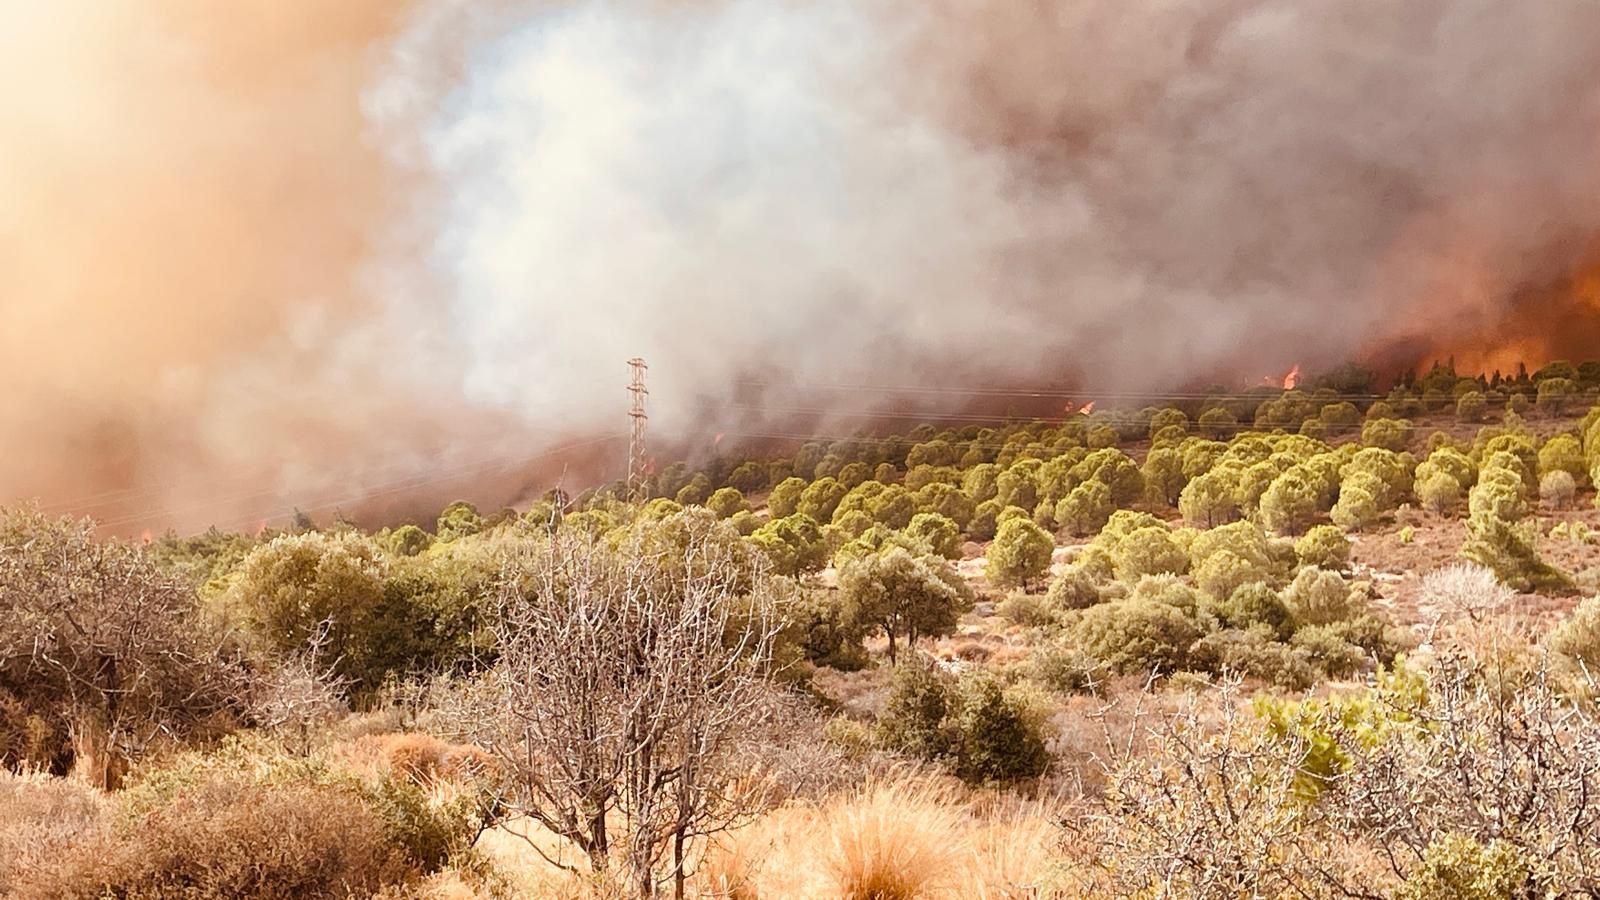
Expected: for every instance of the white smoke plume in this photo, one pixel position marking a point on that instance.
(320, 252)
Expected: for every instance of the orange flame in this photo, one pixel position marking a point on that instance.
(1087, 408)
(146, 537)
(717, 441)
(1292, 380)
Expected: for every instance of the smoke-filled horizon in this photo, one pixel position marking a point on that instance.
(302, 254)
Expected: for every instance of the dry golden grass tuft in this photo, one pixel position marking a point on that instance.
(229, 837)
(41, 818)
(914, 837)
(419, 758)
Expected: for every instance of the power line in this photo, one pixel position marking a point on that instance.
(1261, 392)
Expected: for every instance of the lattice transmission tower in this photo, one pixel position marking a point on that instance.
(637, 460)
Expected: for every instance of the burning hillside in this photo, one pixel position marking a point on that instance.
(291, 253)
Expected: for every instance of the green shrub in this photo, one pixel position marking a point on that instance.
(1025, 609)
(1061, 666)
(726, 501)
(794, 544)
(1557, 489)
(1439, 493)
(1252, 605)
(913, 719)
(1211, 499)
(1324, 547)
(1357, 509)
(1167, 589)
(1225, 571)
(985, 520)
(1254, 652)
(785, 498)
(1318, 597)
(999, 738)
(1390, 434)
(1328, 647)
(1291, 501)
(1579, 636)
(1020, 553)
(1075, 589)
(1085, 509)
(1148, 551)
(1456, 867)
(1471, 406)
(1133, 636)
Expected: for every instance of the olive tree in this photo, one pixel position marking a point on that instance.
(904, 593)
(100, 644)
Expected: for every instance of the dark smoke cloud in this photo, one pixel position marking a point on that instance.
(308, 247)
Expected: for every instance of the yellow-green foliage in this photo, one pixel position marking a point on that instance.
(1317, 725)
(1456, 867)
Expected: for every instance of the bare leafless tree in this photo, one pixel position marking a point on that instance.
(1492, 753)
(1351, 797)
(93, 635)
(626, 678)
(299, 693)
(1202, 804)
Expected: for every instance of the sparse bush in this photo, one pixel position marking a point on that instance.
(103, 657)
(892, 844)
(42, 820)
(1075, 589)
(1467, 589)
(1025, 609)
(225, 835)
(1062, 666)
(1557, 489)
(1456, 867)
(1579, 636)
